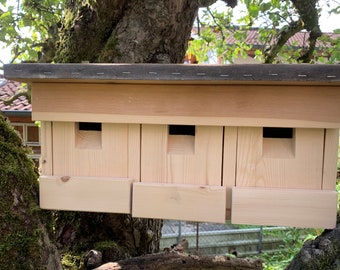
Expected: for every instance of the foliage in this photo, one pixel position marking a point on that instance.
(31, 28)
(293, 240)
(28, 25)
(71, 261)
(276, 20)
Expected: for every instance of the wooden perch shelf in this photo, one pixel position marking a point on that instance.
(188, 141)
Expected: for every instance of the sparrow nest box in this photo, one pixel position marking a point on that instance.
(257, 143)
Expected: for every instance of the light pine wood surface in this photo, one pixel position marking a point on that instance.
(298, 166)
(179, 202)
(170, 159)
(284, 207)
(94, 194)
(224, 105)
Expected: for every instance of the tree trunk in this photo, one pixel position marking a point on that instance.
(321, 253)
(139, 31)
(24, 238)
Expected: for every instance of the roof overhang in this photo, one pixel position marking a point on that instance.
(176, 73)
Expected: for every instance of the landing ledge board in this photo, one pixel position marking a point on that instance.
(172, 73)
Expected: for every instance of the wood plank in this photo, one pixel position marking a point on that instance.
(109, 159)
(181, 120)
(46, 159)
(218, 103)
(134, 151)
(154, 143)
(284, 207)
(202, 165)
(301, 169)
(229, 161)
(330, 159)
(179, 202)
(94, 194)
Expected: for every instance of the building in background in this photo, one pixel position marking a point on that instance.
(19, 113)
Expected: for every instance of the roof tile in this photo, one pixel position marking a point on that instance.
(9, 88)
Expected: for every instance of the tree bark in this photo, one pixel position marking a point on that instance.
(24, 238)
(139, 31)
(321, 253)
(167, 261)
(126, 31)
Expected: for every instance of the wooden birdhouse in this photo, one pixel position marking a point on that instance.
(257, 143)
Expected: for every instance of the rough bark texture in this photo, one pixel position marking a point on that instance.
(139, 31)
(168, 261)
(126, 31)
(24, 237)
(323, 253)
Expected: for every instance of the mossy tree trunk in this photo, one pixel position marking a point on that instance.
(126, 31)
(320, 253)
(24, 228)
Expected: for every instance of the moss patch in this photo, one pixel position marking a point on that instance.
(20, 216)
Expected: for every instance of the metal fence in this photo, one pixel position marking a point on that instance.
(220, 239)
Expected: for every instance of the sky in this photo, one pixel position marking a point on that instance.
(327, 23)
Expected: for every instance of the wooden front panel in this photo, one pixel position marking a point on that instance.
(284, 207)
(46, 148)
(280, 162)
(111, 152)
(95, 194)
(181, 159)
(179, 202)
(224, 105)
(330, 159)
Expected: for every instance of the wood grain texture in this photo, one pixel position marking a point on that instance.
(229, 161)
(179, 202)
(161, 164)
(284, 207)
(303, 170)
(94, 194)
(226, 105)
(330, 159)
(46, 159)
(102, 154)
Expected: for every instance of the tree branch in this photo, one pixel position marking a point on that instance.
(174, 260)
(310, 18)
(284, 34)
